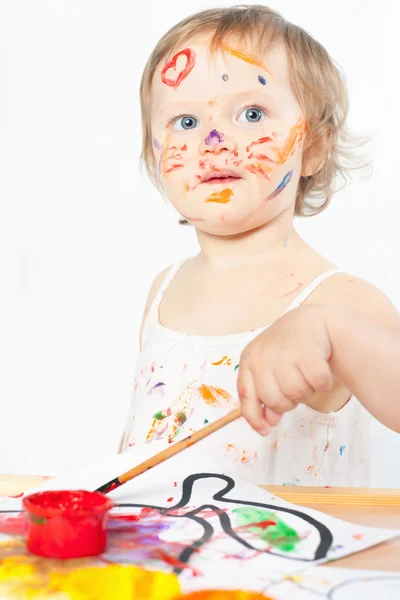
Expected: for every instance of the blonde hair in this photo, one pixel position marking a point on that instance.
(317, 84)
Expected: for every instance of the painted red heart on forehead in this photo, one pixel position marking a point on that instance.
(171, 64)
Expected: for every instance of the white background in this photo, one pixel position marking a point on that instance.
(82, 235)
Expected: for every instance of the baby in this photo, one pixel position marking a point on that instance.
(243, 123)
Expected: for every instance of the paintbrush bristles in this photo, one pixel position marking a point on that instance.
(164, 455)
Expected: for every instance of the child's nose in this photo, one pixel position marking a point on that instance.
(216, 142)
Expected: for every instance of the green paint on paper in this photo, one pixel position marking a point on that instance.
(268, 526)
(236, 368)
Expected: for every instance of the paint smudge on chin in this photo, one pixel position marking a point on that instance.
(171, 64)
(222, 197)
(262, 80)
(285, 181)
(214, 137)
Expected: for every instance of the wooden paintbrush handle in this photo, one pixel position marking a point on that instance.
(179, 446)
(160, 457)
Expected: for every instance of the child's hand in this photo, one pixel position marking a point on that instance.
(285, 365)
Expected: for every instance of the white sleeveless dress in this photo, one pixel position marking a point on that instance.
(185, 381)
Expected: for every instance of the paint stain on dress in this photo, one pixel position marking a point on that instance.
(225, 360)
(214, 396)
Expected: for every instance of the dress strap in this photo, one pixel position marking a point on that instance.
(152, 313)
(310, 288)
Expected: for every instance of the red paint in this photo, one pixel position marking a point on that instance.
(296, 289)
(17, 495)
(175, 484)
(171, 64)
(184, 147)
(169, 499)
(257, 170)
(13, 525)
(260, 157)
(173, 168)
(144, 512)
(113, 486)
(262, 140)
(67, 524)
(174, 562)
(236, 154)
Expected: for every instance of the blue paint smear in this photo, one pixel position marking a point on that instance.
(262, 80)
(281, 186)
(341, 449)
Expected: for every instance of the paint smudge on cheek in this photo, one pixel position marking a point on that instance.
(225, 77)
(156, 144)
(258, 169)
(222, 197)
(174, 168)
(263, 140)
(170, 65)
(294, 138)
(262, 80)
(285, 181)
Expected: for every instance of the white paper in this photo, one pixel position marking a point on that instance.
(338, 584)
(212, 529)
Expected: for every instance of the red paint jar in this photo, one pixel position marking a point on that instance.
(67, 524)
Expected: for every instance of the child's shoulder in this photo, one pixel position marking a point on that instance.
(156, 286)
(350, 292)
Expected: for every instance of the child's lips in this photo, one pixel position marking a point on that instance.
(222, 180)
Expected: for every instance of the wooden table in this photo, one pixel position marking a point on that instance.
(374, 507)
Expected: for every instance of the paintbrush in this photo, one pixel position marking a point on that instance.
(164, 455)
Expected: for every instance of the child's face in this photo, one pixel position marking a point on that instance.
(227, 136)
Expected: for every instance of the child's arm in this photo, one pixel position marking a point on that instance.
(150, 298)
(303, 353)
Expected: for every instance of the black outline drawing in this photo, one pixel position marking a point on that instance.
(325, 536)
(332, 592)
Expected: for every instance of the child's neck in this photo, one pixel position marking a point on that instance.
(252, 247)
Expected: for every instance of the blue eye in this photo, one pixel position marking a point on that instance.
(184, 123)
(251, 115)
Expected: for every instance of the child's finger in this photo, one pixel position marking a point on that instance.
(317, 373)
(252, 409)
(293, 385)
(271, 416)
(271, 394)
